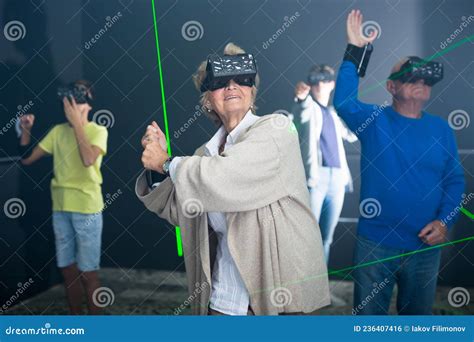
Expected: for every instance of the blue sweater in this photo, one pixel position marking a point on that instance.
(410, 169)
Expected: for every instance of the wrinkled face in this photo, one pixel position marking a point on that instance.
(233, 98)
(417, 91)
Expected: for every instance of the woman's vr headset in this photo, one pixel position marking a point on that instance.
(415, 69)
(221, 69)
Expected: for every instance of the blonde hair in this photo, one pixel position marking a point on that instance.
(200, 75)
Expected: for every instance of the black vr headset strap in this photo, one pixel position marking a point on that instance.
(360, 56)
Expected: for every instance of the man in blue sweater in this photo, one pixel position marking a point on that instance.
(412, 181)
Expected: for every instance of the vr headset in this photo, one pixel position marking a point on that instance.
(78, 92)
(415, 69)
(221, 69)
(315, 77)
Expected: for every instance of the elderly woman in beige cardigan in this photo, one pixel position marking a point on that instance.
(251, 243)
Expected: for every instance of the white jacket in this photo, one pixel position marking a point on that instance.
(309, 122)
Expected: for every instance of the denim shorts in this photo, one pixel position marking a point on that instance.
(78, 239)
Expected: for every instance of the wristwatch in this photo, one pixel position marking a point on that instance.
(166, 166)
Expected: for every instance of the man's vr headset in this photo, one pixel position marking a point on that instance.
(415, 69)
(316, 76)
(221, 69)
(78, 92)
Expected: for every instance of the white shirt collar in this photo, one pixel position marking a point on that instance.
(212, 146)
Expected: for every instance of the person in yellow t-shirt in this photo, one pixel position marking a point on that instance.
(77, 147)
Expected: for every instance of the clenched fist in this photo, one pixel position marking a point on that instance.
(154, 143)
(302, 90)
(27, 121)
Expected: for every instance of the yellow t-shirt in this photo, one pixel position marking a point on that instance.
(74, 187)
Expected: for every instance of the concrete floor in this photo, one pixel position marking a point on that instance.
(151, 292)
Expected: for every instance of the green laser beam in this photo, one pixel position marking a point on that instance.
(179, 243)
(370, 263)
(346, 269)
(165, 114)
(400, 255)
(467, 213)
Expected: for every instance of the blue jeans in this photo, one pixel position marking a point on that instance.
(327, 199)
(415, 275)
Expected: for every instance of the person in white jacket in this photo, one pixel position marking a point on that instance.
(321, 134)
